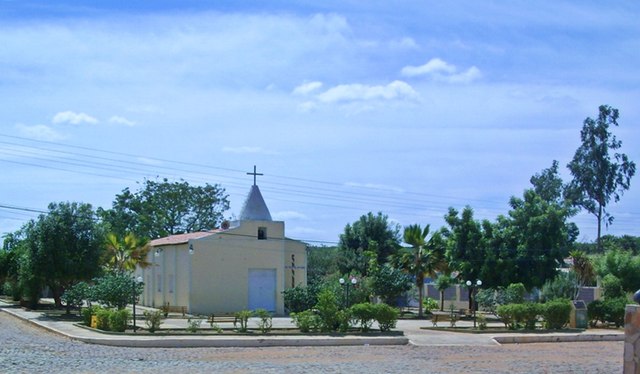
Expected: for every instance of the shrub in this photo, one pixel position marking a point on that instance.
(87, 313)
(612, 287)
(531, 311)
(306, 321)
(364, 314)
(265, 320)
(344, 320)
(103, 319)
(556, 313)
(614, 310)
(298, 299)
(482, 322)
(193, 324)
(595, 312)
(153, 319)
(327, 308)
(118, 320)
(505, 312)
(515, 293)
(242, 317)
(115, 290)
(430, 304)
(386, 316)
(75, 295)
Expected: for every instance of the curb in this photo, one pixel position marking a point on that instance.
(558, 338)
(213, 341)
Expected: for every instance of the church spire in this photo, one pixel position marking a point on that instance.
(254, 207)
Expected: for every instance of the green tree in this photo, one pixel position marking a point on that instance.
(443, 282)
(622, 265)
(388, 283)
(424, 257)
(370, 233)
(548, 184)
(115, 290)
(165, 208)
(583, 268)
(597, 174)
(64, 247)
(124, 255)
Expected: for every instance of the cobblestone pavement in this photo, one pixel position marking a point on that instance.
(25, 348)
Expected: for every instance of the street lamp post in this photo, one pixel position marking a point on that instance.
(474, 292)
(136, 281)
(346, 284)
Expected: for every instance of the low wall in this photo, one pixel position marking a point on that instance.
(632, 340)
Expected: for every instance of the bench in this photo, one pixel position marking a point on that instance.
(222, 319)
(442, 317)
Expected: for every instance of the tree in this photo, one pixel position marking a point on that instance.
(622, 265)
(115, 290)
(165, 208)
(423, 259)
(583, 268)
(64, 247)
(548, 184)
(124, 255)
(370, 233)
(443, 282)
(599, 176)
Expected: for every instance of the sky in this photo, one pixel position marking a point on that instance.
(347, 107)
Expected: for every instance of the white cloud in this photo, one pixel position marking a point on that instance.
(404, 43)
(73, 118)
(289, 215)
(39, 132)
(362, 92)
(121, 121)
(374, 186)
(440, 70)
(306, 88)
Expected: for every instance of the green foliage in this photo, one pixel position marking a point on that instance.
(265, 322)
(621, 264)
(193, 324)
(563, 286)
(153, 319)
(124, 254)
(597, 174)
(321, 262)
(520, 315)
(614, 310)
(515, 293)
(482, 322)
(612, 287)
(327, 308)
(386, 316)
(556, 313)
(87, 313)
(389, 283)
(345, 316)
(242, 318)
(364, 314)
(443, 282)
(162, 208)
(118, 320)
(103, 319)
(115, 290)
(76, 294)
(596, 313)
(430, 304)
(306, 321)
(370, 233)
(299, 298)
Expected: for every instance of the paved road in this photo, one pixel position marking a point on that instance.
(25, 348)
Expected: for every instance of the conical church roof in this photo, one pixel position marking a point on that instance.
(254, 208)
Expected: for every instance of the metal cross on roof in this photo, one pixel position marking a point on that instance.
(254, 174)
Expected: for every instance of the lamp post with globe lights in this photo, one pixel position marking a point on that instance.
(473, 288)
(346, 284)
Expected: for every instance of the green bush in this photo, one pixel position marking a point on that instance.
(595, 312)
(75, 295)
(515, 293)
(242, 317)
(153, 319)
(556, 313)
(327, 308)
(430, 304)
(386, 316)
(506, 314)
(103, 317)
(193, 324)
(266, 321)
(482, 322)
(344, 320)
(298, 299)
(614, 310)
(520, 315)
(364, 314)
(612, 287)
(87, 313)
(118, 320)
(306, 321)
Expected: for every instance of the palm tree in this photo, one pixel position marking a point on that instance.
(126, 254)
(583, 268)
(443, 282)
(423, 259)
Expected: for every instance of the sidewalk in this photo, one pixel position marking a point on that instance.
(412, 329)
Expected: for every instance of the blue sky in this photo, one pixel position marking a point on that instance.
(346, 107)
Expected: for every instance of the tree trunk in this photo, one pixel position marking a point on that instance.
(420, 296)
(599, 227)
(470, 298)
(442, 301)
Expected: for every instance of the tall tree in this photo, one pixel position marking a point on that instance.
(423, 259)
(599, 175)
(548, 184)
(369, 233)
(65, 247)
(162, 208)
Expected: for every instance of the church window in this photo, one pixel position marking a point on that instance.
(262, 233)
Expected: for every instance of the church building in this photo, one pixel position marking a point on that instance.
(246, 264)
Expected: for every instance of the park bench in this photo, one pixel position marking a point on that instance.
(221, 319)
(442, 317)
